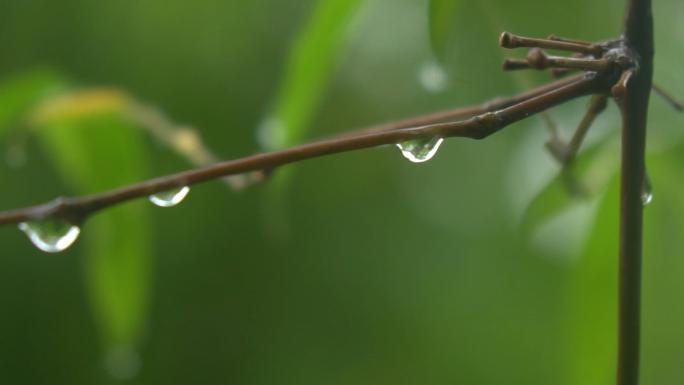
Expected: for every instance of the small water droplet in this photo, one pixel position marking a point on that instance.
(433, 77)
(51, 235)
(170, 198)
(647, 197)
(420, 150)
(647, 191)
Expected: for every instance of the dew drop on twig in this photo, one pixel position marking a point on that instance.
(420, 150)
(647, 192)
(51, 235)
(170, 198)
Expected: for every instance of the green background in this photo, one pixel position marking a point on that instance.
(359, 268)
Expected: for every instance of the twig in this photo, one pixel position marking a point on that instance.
(466, 112)
(541, 61)
(566, 153)
(76, 210)
(184, 140)
(509, 40)
(668, 97)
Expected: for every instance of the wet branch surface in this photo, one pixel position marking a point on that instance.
(477, 122)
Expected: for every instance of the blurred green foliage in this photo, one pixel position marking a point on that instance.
(441, 13)
(476, 267)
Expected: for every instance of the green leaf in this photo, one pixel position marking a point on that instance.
(592, 299)
(309, 68)
(586, 179)
(94, 151)
(441, 24)
(311, 63)
(19, 93)
(662, 268)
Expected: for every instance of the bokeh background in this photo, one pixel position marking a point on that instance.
(477, 267)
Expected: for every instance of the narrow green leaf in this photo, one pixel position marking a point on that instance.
(21, 92)
(592, 300)
(663, 266)
(586, 179)
(309, 68)
(311, 63)
(94, 152)
(441, 15)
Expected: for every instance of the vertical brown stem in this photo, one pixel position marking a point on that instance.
(634, 105)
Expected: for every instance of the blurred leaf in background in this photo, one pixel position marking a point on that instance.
(442, 16)
(311, 63)
(95, 148)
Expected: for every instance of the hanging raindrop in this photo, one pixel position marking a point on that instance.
(51, 235)
(420, 150)
(170, 198)
(647, 191)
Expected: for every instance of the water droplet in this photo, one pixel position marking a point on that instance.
(420, 150)
(433, 77)
(170, 198)
(51, 235)
(647, 191)
(647, 197)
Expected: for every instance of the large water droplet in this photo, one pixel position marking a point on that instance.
(170, 198)
(420, 150)
(51, 235)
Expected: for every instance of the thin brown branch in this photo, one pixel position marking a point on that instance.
(76, 210)
(573, 41)
(509, 40)
(515, 65)
(183, 139)
(565, 153)
(466, 112)
(538, 59)
(668, 97)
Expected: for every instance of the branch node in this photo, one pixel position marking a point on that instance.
(538, 59)
(620, 88)
(515, 64)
